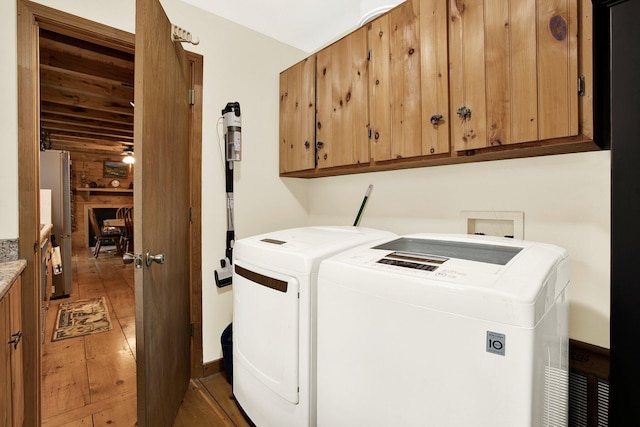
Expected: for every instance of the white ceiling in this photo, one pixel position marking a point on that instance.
(305, 24)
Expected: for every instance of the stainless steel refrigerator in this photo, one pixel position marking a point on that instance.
(55, 174)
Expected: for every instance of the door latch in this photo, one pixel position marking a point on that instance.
(129, 258)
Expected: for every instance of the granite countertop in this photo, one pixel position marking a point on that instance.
(9, 272)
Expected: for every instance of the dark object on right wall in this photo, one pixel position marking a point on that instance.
(226, 340)
(624, 89)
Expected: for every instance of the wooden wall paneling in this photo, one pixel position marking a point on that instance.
(406, 105)
(467, 74)
(557, 68)
(434, 75)
(69, 57)
(380, 89)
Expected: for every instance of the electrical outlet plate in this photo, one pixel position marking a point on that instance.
(493, 223)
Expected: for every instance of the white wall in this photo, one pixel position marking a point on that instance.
(239, 65)
(8, 122)
(565, 200)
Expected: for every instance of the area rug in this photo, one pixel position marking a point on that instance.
(81, 317)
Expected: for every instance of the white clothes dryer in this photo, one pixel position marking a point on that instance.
(274, 319)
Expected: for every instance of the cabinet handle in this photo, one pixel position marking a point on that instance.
(436, 119)
(464, 113)
(16, 339)
(319, 145)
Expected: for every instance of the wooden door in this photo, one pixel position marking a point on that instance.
(161, 216)
(513, 71)
(342, 102)
(297, 116)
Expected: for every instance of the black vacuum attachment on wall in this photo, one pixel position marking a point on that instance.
(231, 122)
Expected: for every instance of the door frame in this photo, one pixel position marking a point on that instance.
(30, 17)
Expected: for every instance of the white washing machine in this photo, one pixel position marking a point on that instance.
(443, 330)
(274, 281)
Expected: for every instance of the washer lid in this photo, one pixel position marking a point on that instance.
(438, 249)
(302, 249)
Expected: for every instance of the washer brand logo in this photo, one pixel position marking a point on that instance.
(496, 343)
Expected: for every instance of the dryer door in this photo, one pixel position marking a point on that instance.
(266, 327)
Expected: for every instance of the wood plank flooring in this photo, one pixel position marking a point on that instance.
(91, 380)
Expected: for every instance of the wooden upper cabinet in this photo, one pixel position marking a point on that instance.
(408, 82)
(297, 117)
(435, 82)
(513, 71)
(342, 114)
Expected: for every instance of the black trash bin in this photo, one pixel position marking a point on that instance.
(227, 352)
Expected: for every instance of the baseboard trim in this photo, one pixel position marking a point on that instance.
(213, 367)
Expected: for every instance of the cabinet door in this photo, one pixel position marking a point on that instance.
(513, 71)
(297, 117)
(409, 83)
(434, 67)
(406, 130)
(342, 102)
(5, 363)
(17, 378)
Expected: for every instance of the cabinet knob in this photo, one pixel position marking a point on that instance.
(307, 145)
(16, 339)
(464, 113)
(319, 145)
(436, 119)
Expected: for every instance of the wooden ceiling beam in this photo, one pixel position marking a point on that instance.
(86, 87)
(84, 131)
(118, 139)
(80, 64)
(84, 83)
(86, 149)
(73, 143)
(68, 121)
(75, 99)
(85, 113)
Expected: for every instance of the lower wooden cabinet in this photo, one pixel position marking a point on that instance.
(11, 378)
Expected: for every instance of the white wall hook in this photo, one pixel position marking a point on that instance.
(181, 35)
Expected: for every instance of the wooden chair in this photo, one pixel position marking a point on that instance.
(101, 235)
(127, 232)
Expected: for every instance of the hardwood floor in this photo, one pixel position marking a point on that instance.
(91, 380)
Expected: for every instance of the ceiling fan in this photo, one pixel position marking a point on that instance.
(128, 155)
